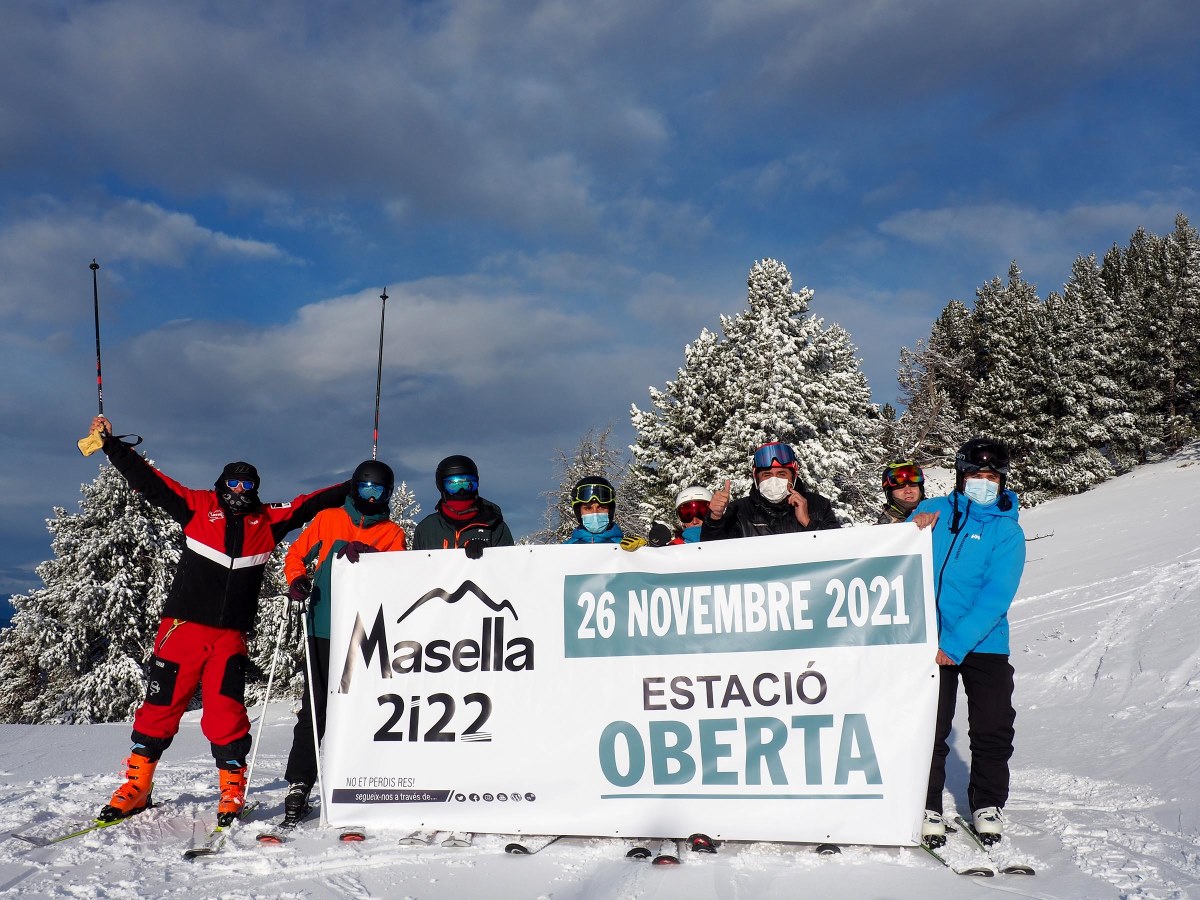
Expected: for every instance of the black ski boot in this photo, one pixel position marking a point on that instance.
(295, 804)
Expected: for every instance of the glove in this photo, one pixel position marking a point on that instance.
(660, 535)
(350, 551)
(474, 548)
(632, 543)
(298, 593)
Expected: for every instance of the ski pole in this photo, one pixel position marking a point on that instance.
(95, 440)
(262, 718)
(312, 708)
(379, 373)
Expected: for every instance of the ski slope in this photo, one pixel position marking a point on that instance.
(1106, 778)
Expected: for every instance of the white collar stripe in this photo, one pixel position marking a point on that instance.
(243, 562)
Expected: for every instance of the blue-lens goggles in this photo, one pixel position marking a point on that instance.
(460, 484)
(244, 483)
(369, 490)
(593, 493)
(777, 452)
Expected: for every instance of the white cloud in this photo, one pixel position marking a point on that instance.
(1038, 239)
(45, 249)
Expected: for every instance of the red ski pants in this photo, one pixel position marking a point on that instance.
(187, 656)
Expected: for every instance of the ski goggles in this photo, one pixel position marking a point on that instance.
(693, 509)
(775, 453)
(984, 458)
(593, 493)
(369, 490)
(460, 484)
(244, 483)
(902, 474)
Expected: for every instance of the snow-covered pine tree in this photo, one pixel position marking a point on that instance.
(77, 647)
(931, 428)
(1068, 457)
(594, 455)
(1179, 305)
(778, 374)
(1008, 349)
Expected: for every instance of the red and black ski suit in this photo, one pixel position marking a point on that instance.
(211, 605)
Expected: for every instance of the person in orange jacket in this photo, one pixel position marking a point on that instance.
(360, 525)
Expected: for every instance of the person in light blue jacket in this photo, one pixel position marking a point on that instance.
(978, 558)
(594, 502)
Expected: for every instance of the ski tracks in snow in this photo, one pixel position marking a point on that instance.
(1107, 831)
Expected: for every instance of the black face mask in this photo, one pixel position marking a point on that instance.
(238, 504)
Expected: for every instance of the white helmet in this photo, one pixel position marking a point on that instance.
(693, 493)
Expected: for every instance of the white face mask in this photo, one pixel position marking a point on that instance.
(595, 522)
(775, 489)
(981, 490)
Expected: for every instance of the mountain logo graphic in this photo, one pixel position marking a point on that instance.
(467, 587)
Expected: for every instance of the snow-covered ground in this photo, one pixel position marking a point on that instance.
(1106, 778)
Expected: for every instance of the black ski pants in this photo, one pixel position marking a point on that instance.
(988, 681)
(302, 761)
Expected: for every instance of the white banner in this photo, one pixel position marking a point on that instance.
(773, 688)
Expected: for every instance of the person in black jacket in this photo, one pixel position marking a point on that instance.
(228, 537)
(463, 518)
(779, 503)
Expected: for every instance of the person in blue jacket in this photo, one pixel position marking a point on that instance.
(594, 502)
(978, 558)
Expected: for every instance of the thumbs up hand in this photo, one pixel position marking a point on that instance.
(719, 501)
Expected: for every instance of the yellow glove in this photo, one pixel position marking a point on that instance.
(95, 439)
(632, 543)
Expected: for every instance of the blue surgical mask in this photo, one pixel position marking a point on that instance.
(981, 491)
(595, 522)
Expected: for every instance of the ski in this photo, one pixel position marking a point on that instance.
(459, 839)
(670, 853)
(216, 838)
(281, 833)
(352, 834)
(638, 851)
(420, 838)
(995, 852)
(701, 843)
(80, 829)
(530, 844)
(827, 849)
(977, 870)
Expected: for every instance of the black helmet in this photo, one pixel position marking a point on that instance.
(238, 502)
(594, 489)
(981, 455)
(372, 475)
(456, 465)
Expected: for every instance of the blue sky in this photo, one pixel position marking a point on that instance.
(557, 195)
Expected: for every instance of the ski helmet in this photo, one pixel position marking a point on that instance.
(696, 498)
(462, 466)
(981, 455)
(594, 489)
(238, 502)
(695, 492)
(371, 486)
(775, 453)
(902, 474)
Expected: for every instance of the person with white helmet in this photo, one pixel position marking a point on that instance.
(691, 506)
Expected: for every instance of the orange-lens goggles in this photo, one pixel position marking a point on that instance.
(901, 474)
(693, 509)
